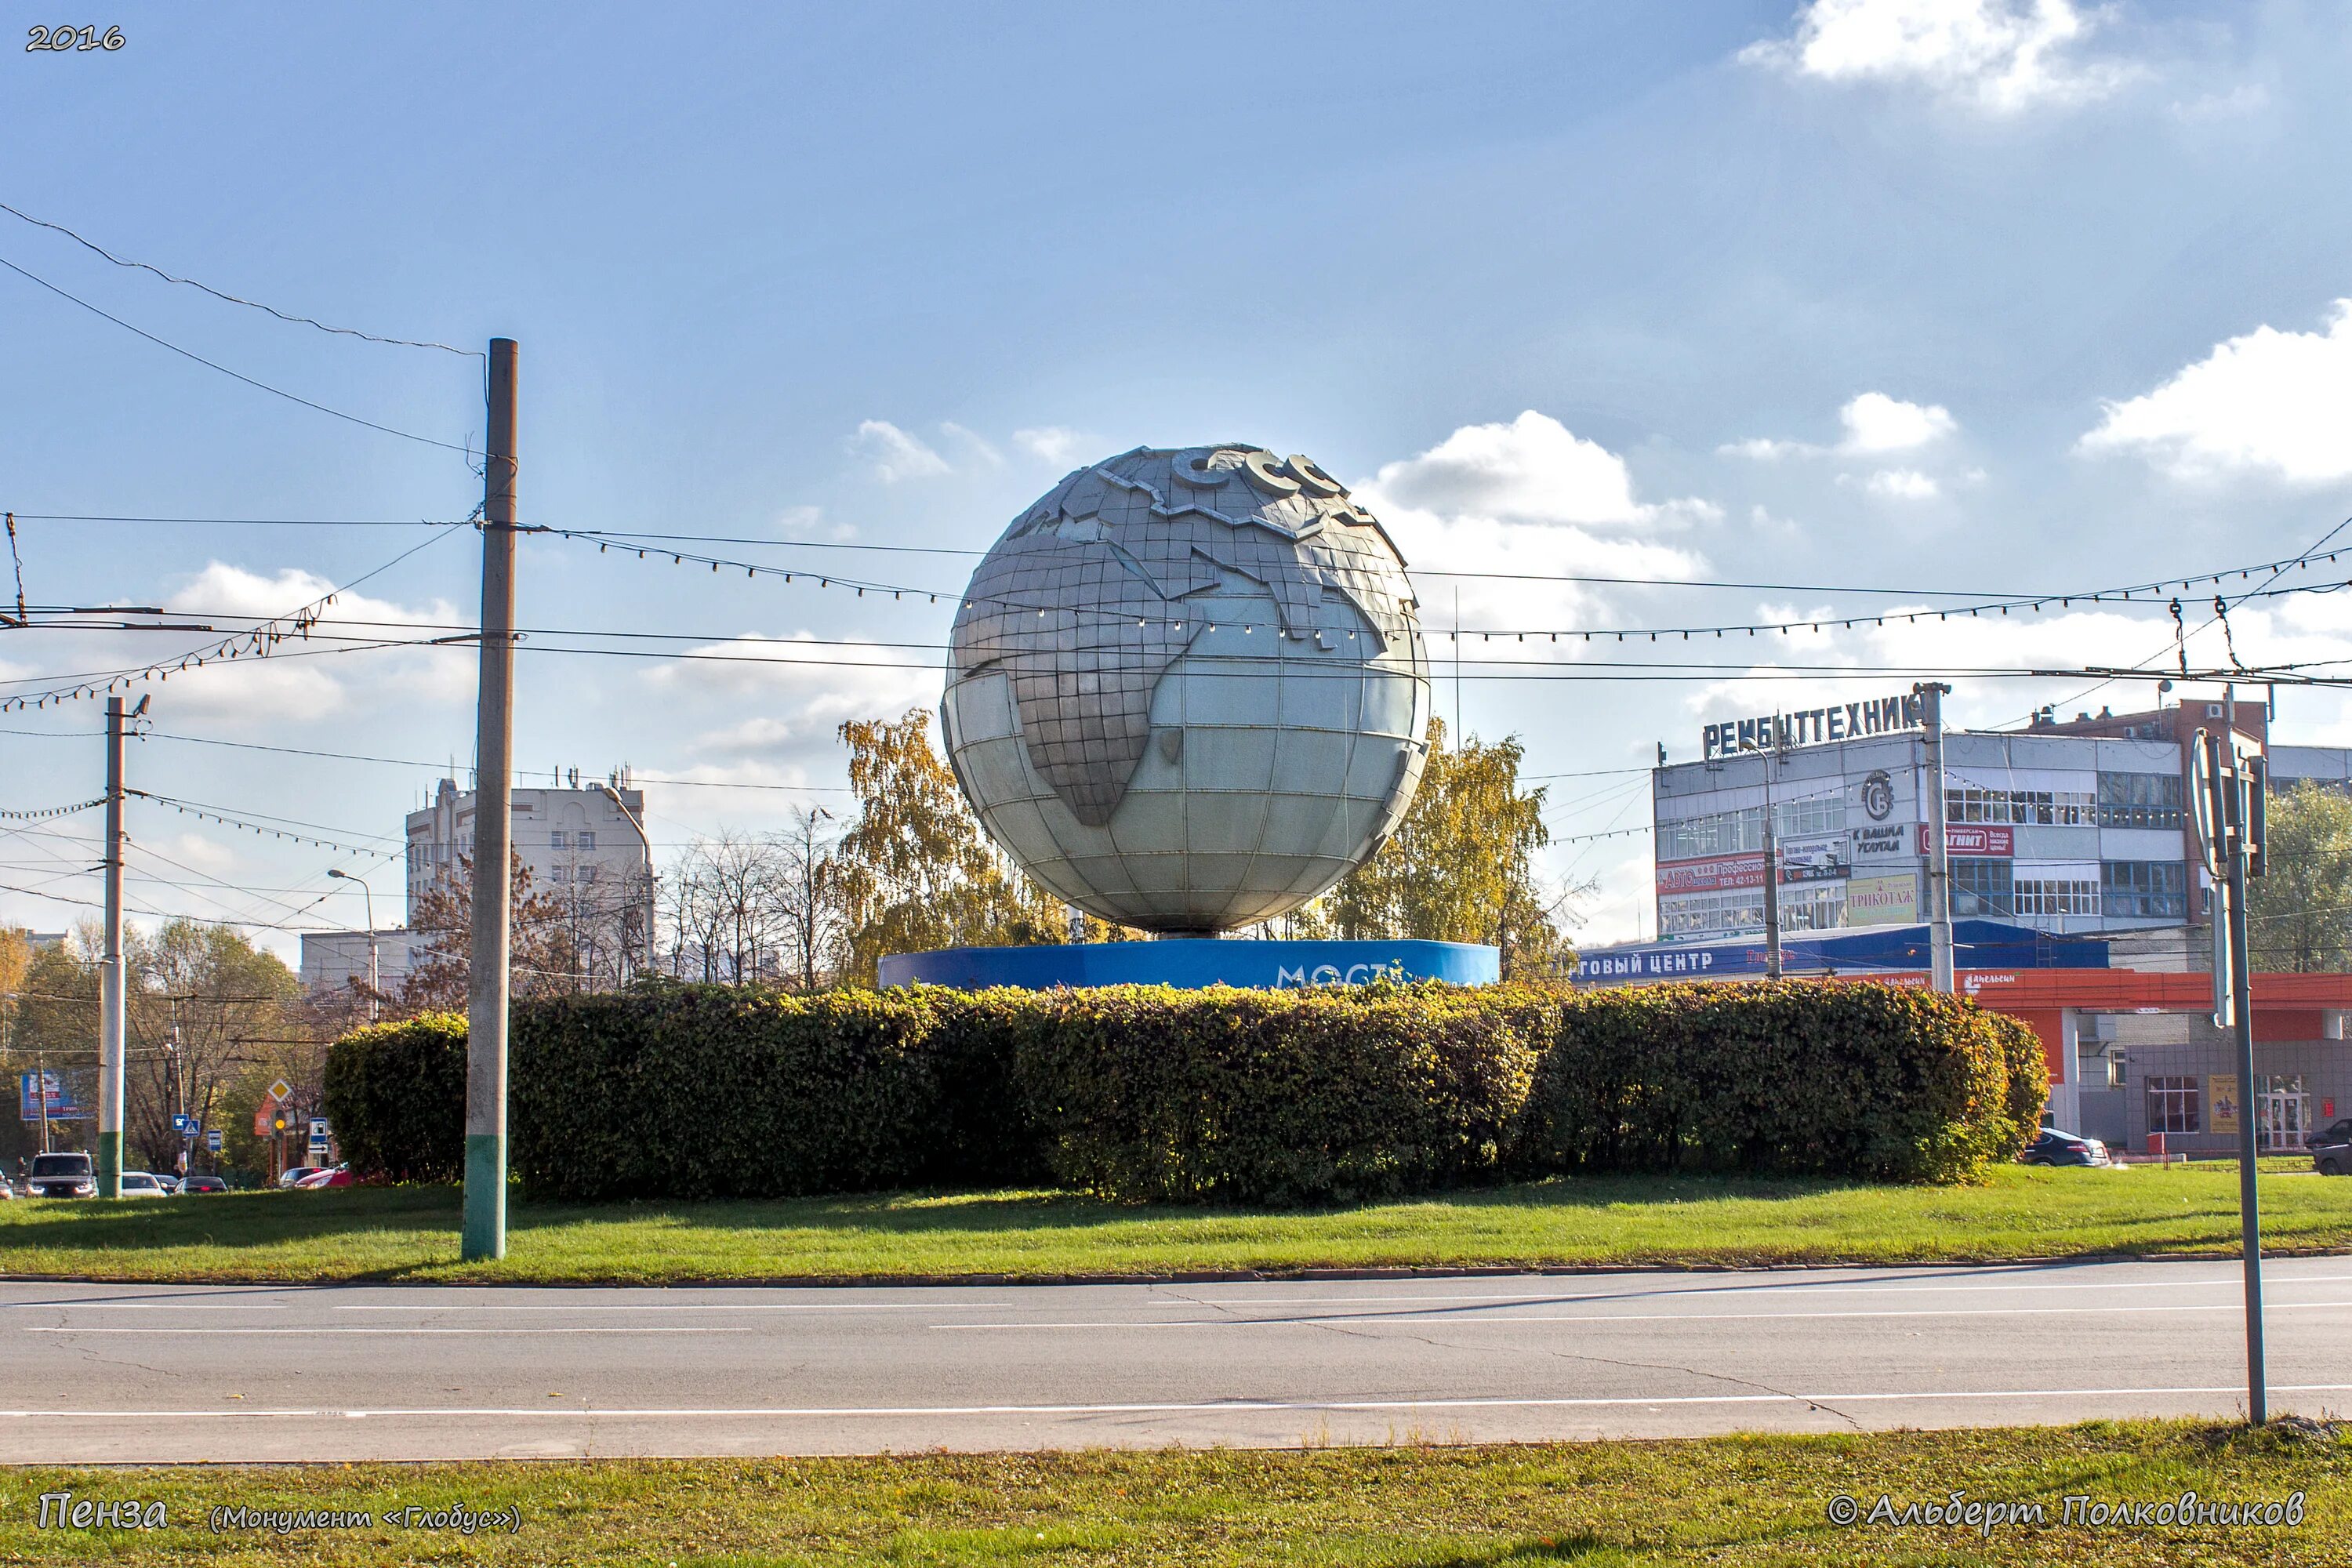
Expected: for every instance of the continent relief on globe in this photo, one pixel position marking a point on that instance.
(1083, 601)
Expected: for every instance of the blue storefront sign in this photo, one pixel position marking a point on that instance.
(1194, 962)
(1880, 950)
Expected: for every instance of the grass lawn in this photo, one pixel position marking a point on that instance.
(412, 1233)
(1733, 1502)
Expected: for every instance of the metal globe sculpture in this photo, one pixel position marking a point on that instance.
(1187, 689)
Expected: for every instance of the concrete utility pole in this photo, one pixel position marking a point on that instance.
(1771, 865)
(109, 972)
(2231, 786)
(485, 1228)
(1939, 848)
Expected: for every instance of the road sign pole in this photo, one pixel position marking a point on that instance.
(484, 1233)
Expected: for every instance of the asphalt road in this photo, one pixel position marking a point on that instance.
(189, 1372)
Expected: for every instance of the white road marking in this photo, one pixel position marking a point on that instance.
(153, 1332)
(1424, 1319)
(1206, 1407)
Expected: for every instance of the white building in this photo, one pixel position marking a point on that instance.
(585, 846)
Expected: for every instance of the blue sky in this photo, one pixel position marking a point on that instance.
(1982, 294)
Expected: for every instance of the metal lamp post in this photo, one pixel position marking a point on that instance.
(628, 816)
(374, 995)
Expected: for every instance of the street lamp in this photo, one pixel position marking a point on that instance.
(374, 996)
(609, 793)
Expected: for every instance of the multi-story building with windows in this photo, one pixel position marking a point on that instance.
(2077, 881)
(2078, 827)
(583, 846)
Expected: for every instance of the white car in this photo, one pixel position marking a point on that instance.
(140, 1185)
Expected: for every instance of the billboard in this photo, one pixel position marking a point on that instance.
(63, 1093)
(1881, 901)
(1973, 840)
(1716, 874)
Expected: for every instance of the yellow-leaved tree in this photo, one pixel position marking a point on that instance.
(915, 872)
(1461, 866)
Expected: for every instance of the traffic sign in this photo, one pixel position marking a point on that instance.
(318, 1135)
(213, 1139)
(185, 1125)
(281, 1092)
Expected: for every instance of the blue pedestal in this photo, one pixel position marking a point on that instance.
(1196, 962)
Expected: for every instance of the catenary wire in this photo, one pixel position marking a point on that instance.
(233, 376)
(232, 299)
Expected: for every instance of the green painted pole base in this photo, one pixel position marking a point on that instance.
(109, 1164)
(485, 1235)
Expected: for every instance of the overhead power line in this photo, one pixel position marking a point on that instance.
(232, 374)
(232, 299)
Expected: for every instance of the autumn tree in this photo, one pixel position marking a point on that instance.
(2299, 912)
(1461, 865)
(542, 959)
(916, 872)
(203, 1006)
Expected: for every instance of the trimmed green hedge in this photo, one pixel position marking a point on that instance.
(1881, 1082)
(397, 1095)
(1155, 1094)
(1277, 1096)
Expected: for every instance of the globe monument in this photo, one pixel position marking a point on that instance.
(1187, 692)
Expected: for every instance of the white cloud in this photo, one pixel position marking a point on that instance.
(1876, 423)
(303, 681)
(199, 853)
(2241, 101)
(2270, 402)
(1049, 443)
(808, 523)
(1998, 55)
(1764, 450)
(1533, 470)
(896, 455)
(972, 442)
(750, 736)
(806, 684)
(1904, 484)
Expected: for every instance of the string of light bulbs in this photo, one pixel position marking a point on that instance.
(47, 812)
(2149, 593)
(204, 812)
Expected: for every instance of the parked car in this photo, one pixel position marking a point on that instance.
(332, 1176)
(202, 1185)
(2334, 1132)
(143, 1184)
(168, 1181)
(291, 1176)
(6, 1192)
(2331, 1150)
(62, 1176)
(2053, 1147)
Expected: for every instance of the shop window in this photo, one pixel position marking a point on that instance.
(2175, 1105)
(1981, 887)
(2056, 896)
(2143, 890)
(2140, 800)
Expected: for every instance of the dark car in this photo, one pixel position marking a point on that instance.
(62, 1176)
(202, 1185)
(2052, 1147)
(2331, 1150)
